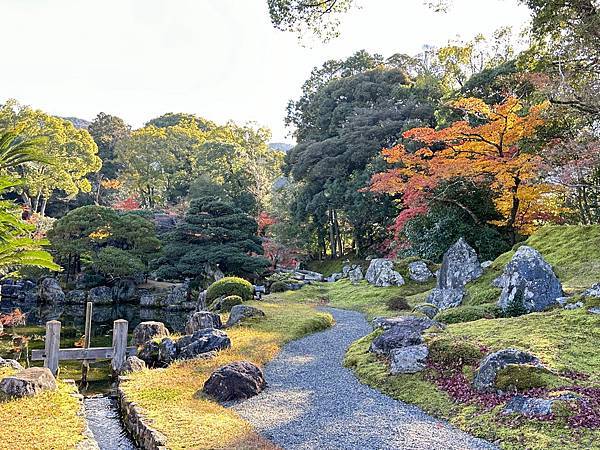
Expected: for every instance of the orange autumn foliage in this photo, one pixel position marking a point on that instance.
(487, 152)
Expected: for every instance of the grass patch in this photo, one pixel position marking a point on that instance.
(329, 266)
(169, 396)
(47, 421)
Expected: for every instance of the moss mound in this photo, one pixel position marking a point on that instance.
(516, 377)
(454, 351)
(229, 286)
(468, 313)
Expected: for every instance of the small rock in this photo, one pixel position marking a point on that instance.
(408, 359)
(575, 305)
(494, 362)
(419, 272)
(101, 295)
(381, 273)
(203, 341)
(355, 275)
(235, 381)
(594, 310)
(529, 281)
(49, 291)
(427, 309)
(202, 319)
(418, 323)
(486, 264)
(528, 406)
(167, 351)
(76, 297)
(147, 331)
(28, 382)
(396, 337)
(10, 363)
(133, 364)
(594, 291)
(241, 312)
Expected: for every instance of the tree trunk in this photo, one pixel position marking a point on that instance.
(512, 220)
(332, 238)
(43, 206)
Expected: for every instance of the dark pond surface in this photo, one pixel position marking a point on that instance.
(102, 414)
(73, 316)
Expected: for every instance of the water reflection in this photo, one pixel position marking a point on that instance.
(103, 418)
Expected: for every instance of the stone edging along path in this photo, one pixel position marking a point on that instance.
(313, 402)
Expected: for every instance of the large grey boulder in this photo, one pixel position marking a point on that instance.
(202, 319)
(235, 381)
(101, 295)
(419, 272)
(460, 265)
(203, 341)
(405, 332)
(124, 290)
(76, 297)
(485, 377)
(381, 273)
(410, 359)
(242, 312)
(355, 274)
(528, 281)
(28, 382)
(147, 331)
(49, 291)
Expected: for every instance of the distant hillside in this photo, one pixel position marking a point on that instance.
(280, 146)
(79, 123)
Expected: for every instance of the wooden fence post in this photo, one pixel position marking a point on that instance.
(119, 345)
(52, 346)
(87, 341)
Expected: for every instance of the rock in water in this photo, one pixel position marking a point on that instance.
(235, 381)
(419, 272)
(528, 282)
(133, 364)
(459, 266)
(408, 359)
(202, 319)
(489, 367)
(101, 295)
(147, 331)
(28, 382)
(50, 291)
(381, 273)
(241, 312)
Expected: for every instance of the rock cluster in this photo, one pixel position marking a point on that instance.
(460, 265)
(528, 282)
(381, 273)
(235, 381)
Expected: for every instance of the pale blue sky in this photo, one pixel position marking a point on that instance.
(217, 58)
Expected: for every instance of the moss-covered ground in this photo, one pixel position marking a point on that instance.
(49, 421)
(170, 397)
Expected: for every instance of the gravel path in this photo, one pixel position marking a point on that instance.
(313, 402)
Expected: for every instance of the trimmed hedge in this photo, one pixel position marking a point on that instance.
(230, 286)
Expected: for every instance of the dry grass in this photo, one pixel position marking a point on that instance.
(47, 421)
(170, 396)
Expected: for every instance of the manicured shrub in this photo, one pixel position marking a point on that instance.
(279, 286)
(468, 313)
(522, 378)
(397, 304)
(229, 286)
(451, 352)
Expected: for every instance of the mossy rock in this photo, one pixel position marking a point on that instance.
(468, 313)
(226, 303)
(452, 351)
(279, 286)
(522, 377)
(229, 286)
